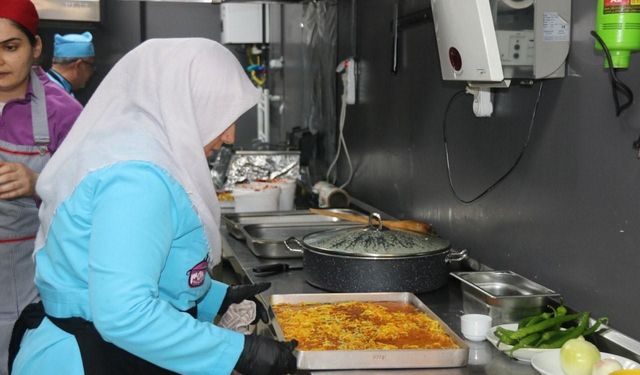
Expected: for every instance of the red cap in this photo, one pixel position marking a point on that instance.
(22, 12)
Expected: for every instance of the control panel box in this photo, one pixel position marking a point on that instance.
(244, 23)
(516, 47)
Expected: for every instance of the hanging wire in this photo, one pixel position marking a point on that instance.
(341, 142)
(515, 163)
(617, 86)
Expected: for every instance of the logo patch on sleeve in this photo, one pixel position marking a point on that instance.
(197, 274)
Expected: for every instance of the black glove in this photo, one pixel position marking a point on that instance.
(238, 293)
(265, 356)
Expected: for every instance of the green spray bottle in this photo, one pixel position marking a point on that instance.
(618, 24)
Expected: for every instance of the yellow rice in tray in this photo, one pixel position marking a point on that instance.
(361, 326)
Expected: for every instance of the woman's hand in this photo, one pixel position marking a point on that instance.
(17, 180)
(264, 356)
(239, 293)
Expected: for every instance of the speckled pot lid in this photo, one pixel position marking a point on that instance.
(374, 241)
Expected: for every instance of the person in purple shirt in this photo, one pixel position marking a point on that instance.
(35, 116)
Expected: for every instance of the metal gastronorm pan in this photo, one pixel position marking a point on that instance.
(502, 286)
(267, 240)
(235, 221)
(372, 359)
(507, 295)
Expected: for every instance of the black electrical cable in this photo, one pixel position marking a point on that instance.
(617, 86)
(516, 162)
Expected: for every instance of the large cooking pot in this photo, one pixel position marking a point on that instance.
(375, 259)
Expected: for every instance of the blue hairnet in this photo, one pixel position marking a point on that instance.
(73, 45)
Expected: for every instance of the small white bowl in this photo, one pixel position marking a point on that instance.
(474, 327)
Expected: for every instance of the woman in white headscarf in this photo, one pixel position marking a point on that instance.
(130, 223)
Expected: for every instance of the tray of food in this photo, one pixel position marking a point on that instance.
(340, 331)
(235, 221)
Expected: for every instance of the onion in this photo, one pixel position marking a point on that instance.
(578, 356)
(606, 366)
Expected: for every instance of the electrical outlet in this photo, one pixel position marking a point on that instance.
(348, 67)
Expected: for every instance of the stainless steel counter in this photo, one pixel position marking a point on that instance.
(445, 302)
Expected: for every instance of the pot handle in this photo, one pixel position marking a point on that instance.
(293, 244)
(456, 256)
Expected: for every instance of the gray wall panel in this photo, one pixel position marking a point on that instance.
(175, 20)
(567, 216)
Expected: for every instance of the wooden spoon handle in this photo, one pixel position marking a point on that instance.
(410, 225)
(341, 215)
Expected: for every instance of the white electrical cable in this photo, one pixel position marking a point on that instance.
(341, 141)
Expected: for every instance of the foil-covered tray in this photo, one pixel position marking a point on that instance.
(372, 359)
(262, 165)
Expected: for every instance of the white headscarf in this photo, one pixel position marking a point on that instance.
(161, 103)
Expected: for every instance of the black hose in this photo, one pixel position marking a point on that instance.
(617, 86)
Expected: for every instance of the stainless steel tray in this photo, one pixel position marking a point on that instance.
(235, 221)
(505, 295)
(372, 359)
(267, 240)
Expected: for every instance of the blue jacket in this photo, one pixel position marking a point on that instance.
(60, 80)
(128, 252)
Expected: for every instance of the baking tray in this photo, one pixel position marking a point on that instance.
(267, 240)
(505, 295)
(372, 359)
(235, 221)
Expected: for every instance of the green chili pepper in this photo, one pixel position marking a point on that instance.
(569, 334)
(531, 320)
(503, 335)
(504, 330)
(537, 319)
(561, 310)
(525, 342)
(524, 321)
(542, 326)
(548, 336)
(595, 326)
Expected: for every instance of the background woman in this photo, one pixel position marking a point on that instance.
(130, 224)
(35, 117)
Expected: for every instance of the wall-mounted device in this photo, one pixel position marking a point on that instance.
(490, 42)
(244, 23)
(68, 10)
